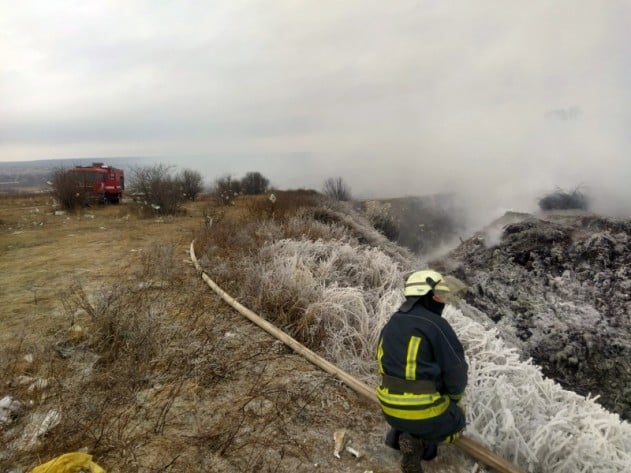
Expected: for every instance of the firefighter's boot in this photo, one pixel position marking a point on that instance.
(392, 438)
(430, 450)
(412, 453)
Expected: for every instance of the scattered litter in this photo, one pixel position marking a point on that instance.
(102, 228)
(40, 424)
(88, 216)
(51, 420)
(10, 408)
(59, 212)
(342, 443)
(356, 453)
(28, 358)
(69, 463)
(339, 436)
(76, 328)
(33, 383)
(24, 380)
(38, 384)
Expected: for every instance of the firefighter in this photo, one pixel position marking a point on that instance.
(423, 373)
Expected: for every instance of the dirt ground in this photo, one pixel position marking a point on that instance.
(218, 394)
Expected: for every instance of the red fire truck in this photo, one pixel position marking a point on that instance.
(100, 182)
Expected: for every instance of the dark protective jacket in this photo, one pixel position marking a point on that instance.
(420, 345)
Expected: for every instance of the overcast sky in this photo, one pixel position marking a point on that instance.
(500, 99)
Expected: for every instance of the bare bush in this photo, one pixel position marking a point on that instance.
(159, 190)
(254, 183)
(226, 189)
(562, 200)
(66, 189)
(337, 189)
(191, 182)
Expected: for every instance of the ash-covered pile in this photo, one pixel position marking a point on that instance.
(558, 286)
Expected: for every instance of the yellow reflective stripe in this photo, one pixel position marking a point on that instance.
(380, 356)
(456, 397)
(410, 360)
(407, 399)
(415, 414)
(452, 438)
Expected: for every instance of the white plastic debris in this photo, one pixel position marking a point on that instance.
(51, 420)
(38, 385)
(40, 424)
(10, 408)
(356, 453)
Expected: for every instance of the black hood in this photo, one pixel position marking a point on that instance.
(426, 301)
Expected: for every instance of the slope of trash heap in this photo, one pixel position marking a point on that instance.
(557, 285)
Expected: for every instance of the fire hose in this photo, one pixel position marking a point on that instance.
(469, 446)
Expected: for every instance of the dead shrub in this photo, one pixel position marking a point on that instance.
(226, 189)
(67, 189)
(563, 200)
(337, 189)
(158, 191)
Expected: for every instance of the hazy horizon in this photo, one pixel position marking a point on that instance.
(496, 101)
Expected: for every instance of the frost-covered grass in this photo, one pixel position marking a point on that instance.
(331, 295)
(530, 419)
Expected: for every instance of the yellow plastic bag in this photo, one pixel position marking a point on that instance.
(69, 463)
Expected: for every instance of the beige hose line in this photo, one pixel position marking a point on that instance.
(469, 446)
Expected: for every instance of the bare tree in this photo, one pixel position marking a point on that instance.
(226, 189)
(191, 182)
(336, 188)
(254, 183)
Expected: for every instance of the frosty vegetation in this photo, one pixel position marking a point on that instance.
(333, 286)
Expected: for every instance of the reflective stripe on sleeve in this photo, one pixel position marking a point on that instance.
(380, 356)
(410, 362)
